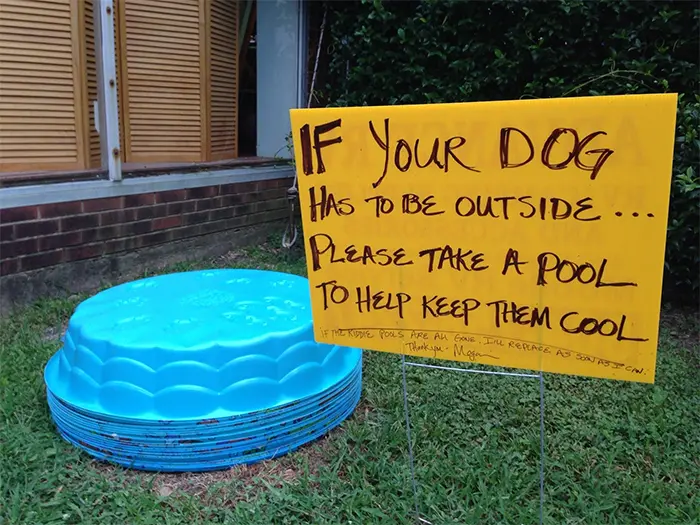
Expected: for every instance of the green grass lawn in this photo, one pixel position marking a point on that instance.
(616, 452)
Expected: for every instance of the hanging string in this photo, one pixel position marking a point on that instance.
(291, 232)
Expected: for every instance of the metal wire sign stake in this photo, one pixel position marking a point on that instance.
(407, 413)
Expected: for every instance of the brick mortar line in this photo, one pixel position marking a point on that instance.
(254, 187)
(99, 214)
(83, 213)
(142, 235)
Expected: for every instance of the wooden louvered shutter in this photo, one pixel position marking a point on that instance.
(94, 140)
(223, 72)
(161, 64)
(43, 100)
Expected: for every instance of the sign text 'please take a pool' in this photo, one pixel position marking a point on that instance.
(526, 234)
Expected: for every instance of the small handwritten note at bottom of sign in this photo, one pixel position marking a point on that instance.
(526, 234)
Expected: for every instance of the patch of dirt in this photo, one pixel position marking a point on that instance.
(229, 259)
(362, 412)
(684, 327)
(681, 321)
(224, 486)
(54, 333)
(263, 257)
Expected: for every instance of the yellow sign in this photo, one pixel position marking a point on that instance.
(526, 234)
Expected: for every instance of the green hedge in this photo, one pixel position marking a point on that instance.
(402, 52)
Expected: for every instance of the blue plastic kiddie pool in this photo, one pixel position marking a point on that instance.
(199, 371)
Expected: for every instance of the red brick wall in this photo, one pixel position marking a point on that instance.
(34, 237)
